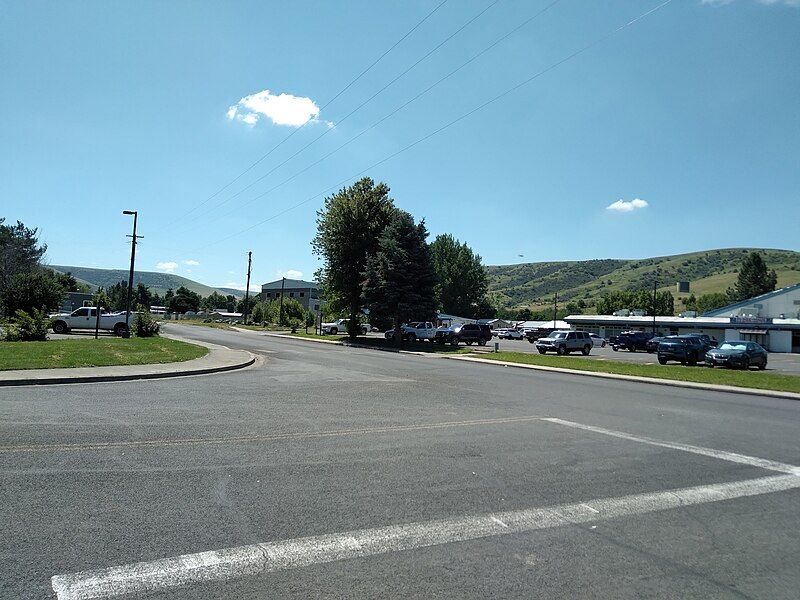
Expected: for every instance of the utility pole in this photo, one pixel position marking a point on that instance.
(133, 237)
(280, 313)
(247, 287)
(555, 310)
(655, 285)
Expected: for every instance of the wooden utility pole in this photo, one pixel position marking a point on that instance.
(247, 287)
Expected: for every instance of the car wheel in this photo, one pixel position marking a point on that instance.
(603, 345)
(60, 327)
(632, 348)
(531, 340)
(746, 364)
(662, 361)
(562, 350)
(710, 365)
(363, 331)
(585, 351)
(120, 329)
(440, 341)
(542, 351)
(481, 342)
(454, 342)
(468, 343)
(762, 366)
(615, 348)
(692, 360)
(412, 337)
(334, 331)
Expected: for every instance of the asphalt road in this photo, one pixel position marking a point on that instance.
(342, 472)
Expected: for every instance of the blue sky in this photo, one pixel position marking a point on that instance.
(689, 117)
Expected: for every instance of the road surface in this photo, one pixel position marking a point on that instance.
(343, 472)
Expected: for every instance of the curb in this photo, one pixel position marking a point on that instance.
(136, 376)
(635, 378)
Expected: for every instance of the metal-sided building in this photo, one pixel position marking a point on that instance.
(772, 320)
(306, 292)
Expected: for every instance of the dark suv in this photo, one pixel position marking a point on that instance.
(707, 341)
(468, 333)
(632, 341)
(686, 349)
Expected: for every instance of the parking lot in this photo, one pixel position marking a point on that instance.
(783, 363)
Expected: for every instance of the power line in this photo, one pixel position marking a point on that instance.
(355, 110)
(339, 93)
(392, 113)
(469, 113)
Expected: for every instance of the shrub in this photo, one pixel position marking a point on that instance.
(145, 325)
(28, 327)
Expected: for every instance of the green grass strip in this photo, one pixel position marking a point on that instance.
(103, 352)
(762, 380)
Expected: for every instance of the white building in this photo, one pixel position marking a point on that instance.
(772, 320)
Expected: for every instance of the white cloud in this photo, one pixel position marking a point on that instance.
(281, 109)
(167, 267)
(627, 205)
(291, 274)
(191, 262)
(240, 286)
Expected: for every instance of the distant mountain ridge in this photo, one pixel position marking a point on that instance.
(534, 284)
(157, 282)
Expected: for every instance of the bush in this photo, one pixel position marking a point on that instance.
(28, 327)
(145, 325)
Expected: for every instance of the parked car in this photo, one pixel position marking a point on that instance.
(86, 318)
(340, 326)
(741, 355)
(632, 341)
(536, 334)
(708, 341)
(685, 349)
(597, 340)
(469, 333)
(510, 334)
(418, 330)
(564, 342)
(652, 344)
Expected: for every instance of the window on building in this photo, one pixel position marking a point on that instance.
(316, 307)
(291, 294)
(302, 294)
(269, 294)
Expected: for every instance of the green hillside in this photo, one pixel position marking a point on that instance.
(533, 284)
(157, 282)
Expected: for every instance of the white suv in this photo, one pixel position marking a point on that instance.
(564, 342)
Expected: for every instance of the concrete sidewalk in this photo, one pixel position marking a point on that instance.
(218, 359)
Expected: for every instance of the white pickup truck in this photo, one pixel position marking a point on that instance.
(340, 326)
(418, 330)
(86, 318)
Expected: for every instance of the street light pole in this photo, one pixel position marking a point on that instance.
(555, 310)
(247, 287)
(130, 274)
(655, 285)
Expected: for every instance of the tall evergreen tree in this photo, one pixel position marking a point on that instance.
(20, 251)
(463, 283)
(348, 228)
(754, 279)
(400, 278)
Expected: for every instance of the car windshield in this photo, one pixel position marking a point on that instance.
(558, 336)
(733, 346)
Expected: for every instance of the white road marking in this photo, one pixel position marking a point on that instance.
(222, 565)
(754, 461)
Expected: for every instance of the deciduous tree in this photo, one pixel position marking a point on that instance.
(348, 228)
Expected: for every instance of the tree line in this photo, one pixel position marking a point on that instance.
(376, 257)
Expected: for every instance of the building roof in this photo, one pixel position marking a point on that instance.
(646, 322)
(736, 305)
(289, 284)
(543, 325)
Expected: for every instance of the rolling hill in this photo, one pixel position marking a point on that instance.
(157, 282)
(533, 284)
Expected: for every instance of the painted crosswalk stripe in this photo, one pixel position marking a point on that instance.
(230, 563)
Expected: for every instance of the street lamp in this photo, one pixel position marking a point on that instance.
(130, 274)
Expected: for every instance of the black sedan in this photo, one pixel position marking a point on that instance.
(739, 355)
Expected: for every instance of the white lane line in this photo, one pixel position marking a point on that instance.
(230, 563)
(754, 461)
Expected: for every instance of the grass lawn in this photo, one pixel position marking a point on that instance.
(95, 353)
(700, 374)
